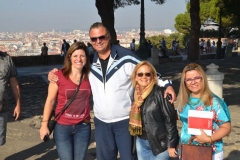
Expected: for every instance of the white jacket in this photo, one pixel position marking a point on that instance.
(112, 100)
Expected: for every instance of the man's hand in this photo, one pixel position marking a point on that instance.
(52, 77)
(170, 90)
(16, 112)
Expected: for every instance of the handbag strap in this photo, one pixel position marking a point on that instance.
(192, 138)
(70, 100)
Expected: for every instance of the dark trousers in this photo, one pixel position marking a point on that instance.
(45, 60)
(111, 138)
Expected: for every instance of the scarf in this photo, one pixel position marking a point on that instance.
(135, 122)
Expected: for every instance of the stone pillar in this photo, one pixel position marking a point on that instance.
(215, 79)
(154, 55)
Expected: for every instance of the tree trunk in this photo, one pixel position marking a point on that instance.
(225, 32)
(106, 12)
(195, 30)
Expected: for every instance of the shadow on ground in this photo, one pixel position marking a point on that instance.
(43, 148)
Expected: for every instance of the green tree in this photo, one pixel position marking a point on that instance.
(106, 12)
(183, 22)
(209, 14)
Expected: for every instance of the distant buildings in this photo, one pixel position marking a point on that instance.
(30, 43)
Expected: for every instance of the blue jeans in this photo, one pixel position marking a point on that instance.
(111, 138)
(72, 140)
(144, 151)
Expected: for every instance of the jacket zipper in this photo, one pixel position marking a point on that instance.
(104, 78)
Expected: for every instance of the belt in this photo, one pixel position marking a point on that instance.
(86, 121)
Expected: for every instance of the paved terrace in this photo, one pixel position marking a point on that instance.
(23, 141)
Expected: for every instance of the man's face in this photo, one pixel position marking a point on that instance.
(100, 39)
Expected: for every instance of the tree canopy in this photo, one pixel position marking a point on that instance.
(106, 12)
(209, 14)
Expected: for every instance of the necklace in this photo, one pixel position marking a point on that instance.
(76, 78)
(193, 103)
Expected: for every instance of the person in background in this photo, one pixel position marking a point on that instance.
(224, 46)
(208, 46)
(174, 48)
(110, 80)
(90, 48)
(8, 75)
(72, 132)
(178, 50)
(213, 46)
(74, 41)
(204, 46)
(149, 48)
(201, 43)
(44, 54)
(194, 94)
(163, 43)
(132, 45)
(118, 42)
(163, 52)
(65, 47)
(152, 117)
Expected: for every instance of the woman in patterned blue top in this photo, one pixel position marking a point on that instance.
(194, 94)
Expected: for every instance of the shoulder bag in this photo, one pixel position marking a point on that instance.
(52, 121)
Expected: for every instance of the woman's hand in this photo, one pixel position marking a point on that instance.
(170, 90)
(43, 131)
(203, 138)
(52, 77)
(172, 152)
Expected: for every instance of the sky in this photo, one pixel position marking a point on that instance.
(68, 15)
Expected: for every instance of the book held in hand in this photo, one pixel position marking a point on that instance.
(200, 120)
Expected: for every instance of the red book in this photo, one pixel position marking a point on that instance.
(200, 120)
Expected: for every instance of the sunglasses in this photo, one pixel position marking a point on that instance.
(141, 74)
(101, 38)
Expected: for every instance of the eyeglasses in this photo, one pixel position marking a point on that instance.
(141, 74)
(101, 38)
(195, 79)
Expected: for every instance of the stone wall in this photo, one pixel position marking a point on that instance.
(36, 60)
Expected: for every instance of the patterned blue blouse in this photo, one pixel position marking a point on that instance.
(221, 116)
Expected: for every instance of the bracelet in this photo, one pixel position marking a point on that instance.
(44, 121)
(210, 139)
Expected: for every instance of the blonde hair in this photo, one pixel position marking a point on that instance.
(152, 70)
(184, 92)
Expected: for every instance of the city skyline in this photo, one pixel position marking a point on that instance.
(60, 15)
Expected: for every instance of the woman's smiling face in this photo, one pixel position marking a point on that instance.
(143, 76)
(78, 59)
(193, 81)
